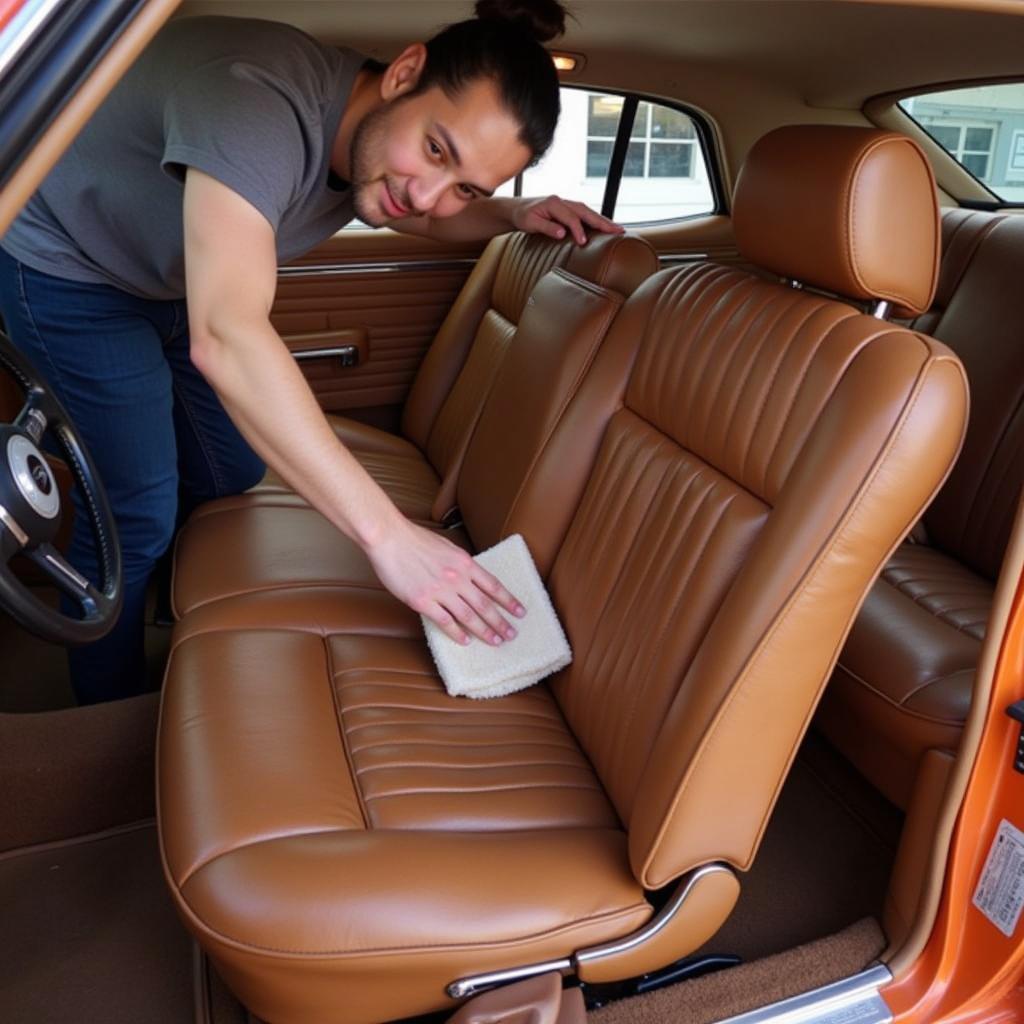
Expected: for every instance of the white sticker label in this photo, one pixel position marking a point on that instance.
(1000, 892)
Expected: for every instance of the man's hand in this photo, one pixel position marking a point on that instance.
(485, 218)
(554, 216)
(439, 580)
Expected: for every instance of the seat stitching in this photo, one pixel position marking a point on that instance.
(897, 704)
(466, 791)
(464, 746)
(447, 725)
(626, 912)
(339, 721)
(478, 767)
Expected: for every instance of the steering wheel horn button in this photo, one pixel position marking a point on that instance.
(33, 476)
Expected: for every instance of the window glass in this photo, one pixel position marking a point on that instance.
(982, 128)
(664, 176)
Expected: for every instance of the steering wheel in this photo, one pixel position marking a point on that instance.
(30, 511)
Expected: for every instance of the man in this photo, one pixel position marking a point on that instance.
(232, 146)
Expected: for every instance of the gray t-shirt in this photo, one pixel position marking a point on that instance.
(254, 104)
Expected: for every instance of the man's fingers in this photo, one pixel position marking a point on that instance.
(546, 226)
(496, 591)
(490, 613)
(443, 619)
(567, 215)
(595, 220)
(469, 618)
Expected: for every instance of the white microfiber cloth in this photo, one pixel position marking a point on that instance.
(539, 648)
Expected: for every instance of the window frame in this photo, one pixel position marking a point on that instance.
(631, 101)
(968, 203)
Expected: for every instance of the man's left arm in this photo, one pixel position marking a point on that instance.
(485, 218)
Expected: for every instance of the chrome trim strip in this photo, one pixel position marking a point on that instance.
(670, 259)
(343, 351)
(33, 21)
(381, 267)
(656, 923)
(478, 982)
(9, 521)
(853, 1000)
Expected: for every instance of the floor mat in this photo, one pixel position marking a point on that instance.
(739, 989)
(89, 934)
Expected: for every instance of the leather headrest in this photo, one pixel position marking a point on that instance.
(849, 210)
(619, 262)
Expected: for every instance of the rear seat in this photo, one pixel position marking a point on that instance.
(344, 839)
(905, 679)
(419, 469)
(251, 543)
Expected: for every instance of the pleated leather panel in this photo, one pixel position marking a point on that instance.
(525, 260)
(949, 590)
(655, 546)
(461, 409)
(737, 370)
(424, 760)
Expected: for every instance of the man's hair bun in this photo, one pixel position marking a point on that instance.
(542, 19)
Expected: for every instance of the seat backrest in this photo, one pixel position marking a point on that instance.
(460, 367)
(962, 233)
(771, 449)
(533, 448)
(971, 517)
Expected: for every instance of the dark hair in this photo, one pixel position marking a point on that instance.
(503, 42)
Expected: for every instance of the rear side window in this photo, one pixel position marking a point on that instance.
(662, 172)
(982, 128)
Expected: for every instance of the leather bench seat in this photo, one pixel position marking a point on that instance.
(419, 469)
(344, 839)
(905, 680)
(507, 471)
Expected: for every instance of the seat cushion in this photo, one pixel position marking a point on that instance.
(396, 464)
(904, 680)
(299, 754)
(226, 550)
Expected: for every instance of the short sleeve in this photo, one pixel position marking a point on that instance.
(241, 125)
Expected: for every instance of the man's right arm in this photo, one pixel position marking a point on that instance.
(231, 276)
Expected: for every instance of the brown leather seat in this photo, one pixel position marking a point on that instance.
(905, 678)
(246, 544)
(344, 839)
(419, 469)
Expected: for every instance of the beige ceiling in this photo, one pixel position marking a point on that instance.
(747, 64)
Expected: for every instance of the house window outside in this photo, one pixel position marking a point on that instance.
(665, 176)
(971, 144)
(662, 142)
(981, 127)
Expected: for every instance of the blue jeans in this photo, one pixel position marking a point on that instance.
(160, 438)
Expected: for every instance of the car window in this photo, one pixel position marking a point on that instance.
(664, 175)
(982, 128)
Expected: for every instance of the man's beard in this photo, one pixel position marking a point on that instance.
(364, 155)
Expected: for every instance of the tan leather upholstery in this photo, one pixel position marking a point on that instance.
(460, 366)
(344, 839)
(241, 545)
(904, 681)
(962, 232)
(859, 240)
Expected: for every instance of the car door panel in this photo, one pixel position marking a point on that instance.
(383, 293)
